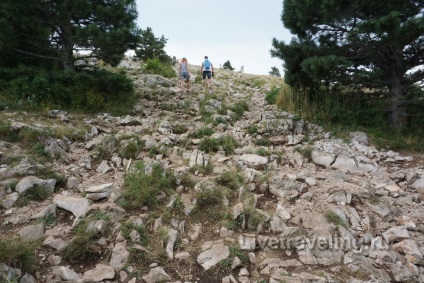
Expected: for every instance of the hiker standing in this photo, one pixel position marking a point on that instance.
(206, 70)
(184, 75)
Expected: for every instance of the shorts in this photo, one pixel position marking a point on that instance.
(184, 75)
(207, 73)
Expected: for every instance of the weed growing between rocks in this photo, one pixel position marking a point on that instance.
(18, 254)
(127, 228)
(130, 146)
(38, 193)
(201, 133)
(144, 185)
(204, 170)
(306, 152)
(231, 179)
(228, 144)
(210, 207)
(48, 221)
(334, 218)
(262, 152)
(262, 142)
(252, 129)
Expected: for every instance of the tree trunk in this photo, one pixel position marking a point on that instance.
(397, 107)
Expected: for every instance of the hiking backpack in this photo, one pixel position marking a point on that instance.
(207, 64)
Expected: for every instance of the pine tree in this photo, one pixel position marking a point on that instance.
(275, 72)
(151, 47)
(375, 44)
(57, 30)
(227, 66)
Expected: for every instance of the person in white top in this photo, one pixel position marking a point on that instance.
(206, 70)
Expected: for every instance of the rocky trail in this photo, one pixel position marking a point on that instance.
(212, 186)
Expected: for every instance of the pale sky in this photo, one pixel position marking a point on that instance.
(237, 30)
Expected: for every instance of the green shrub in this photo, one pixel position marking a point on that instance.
(262, 142)
(131, 147)
(141, 188)
(209, 145)
(200, 133)
(306, 152)
(228, 144)
(231, 180)
(252, 129)
(32, 89)
(38, 193)
(271, 96)
(155, 67)
(18, 254)
(205, 170)
(128, 227)
(80, 247)
(239, 108)
(262, 152)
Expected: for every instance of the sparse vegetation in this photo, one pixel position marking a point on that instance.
(262, 152)
(252, 129)
(143, 185)
(18, 254)
(205, 170)
(306, 152)
(271, 96)
(334, 218)
(128, 227)
(130, 146)
(201, 133)
(231, 179)
(38, 193)
(82, 244)
(262, 142)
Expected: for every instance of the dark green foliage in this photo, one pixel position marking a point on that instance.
(356, 45)
(200, 133)
(239, 108)
(179, 129)
(156, 67)
(28, 89)
(209, 145)
(275, 72)
(18, 254)
(141, 188)
(151, 47)
(227, 66)
(271, 96)
(252, 129)
(131, 146)
(205, 170)
(80, 247)
(231, 180)
(228, 144)
(38, 193)
(49, 33)
(263, 142)
(128, 227)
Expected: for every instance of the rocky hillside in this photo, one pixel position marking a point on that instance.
(212, 186)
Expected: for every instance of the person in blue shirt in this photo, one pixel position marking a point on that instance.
(206, 70)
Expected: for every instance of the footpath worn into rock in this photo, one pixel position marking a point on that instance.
(258, 194)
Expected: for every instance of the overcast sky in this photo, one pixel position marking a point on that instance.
(237, 30)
